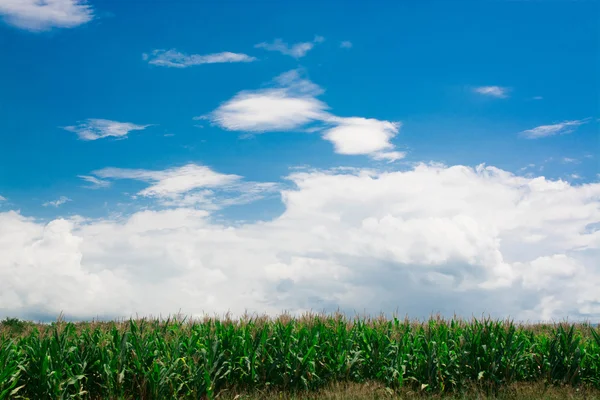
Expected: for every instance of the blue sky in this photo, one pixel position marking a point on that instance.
(417, 64)
(283, 87)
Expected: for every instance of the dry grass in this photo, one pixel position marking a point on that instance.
(374, 390)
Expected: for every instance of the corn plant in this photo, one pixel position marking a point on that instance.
(175, 360)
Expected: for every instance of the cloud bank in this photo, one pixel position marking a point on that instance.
(427, 239)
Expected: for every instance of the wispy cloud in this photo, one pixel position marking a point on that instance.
(191, 185)
(568, 160)
(297, 50)
(56, 203)
(555, 129)
(2, 198)
(37, 15)
(528, 166)
(291, 104)
(173, 58)
(93, 129)
(346, 44)
(537, 98)
(95, 182)
(389, 156)
(493, 91)
(170, 181)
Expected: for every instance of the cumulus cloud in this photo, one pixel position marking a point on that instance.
(36, 15)
(173, 58)
(291, 104)
(94, 129)
(561, 128)
(58, 202)
(361, 135)
(493, 91)
(427, 239)
(297, 50)
(276, 109)
(2, 198)
(95, 182)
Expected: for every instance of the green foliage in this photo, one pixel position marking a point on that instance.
(175, 360)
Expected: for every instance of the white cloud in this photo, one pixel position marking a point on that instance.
(173, 58)
(361, 135)
(95, 182)
(433, 238)
(2, 198)
(389, 156)
(494, 91)
(569, 160)
(94, 129)
(191, 185)
(528, 166)
(538, 98)
(172, 181)
(288, 106)
(268, 110)
(291, 104)
(346, 44)
(36, 15)
(297, 50)
(562, 128)
(56, 203)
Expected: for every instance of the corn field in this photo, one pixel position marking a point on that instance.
(152, 359)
